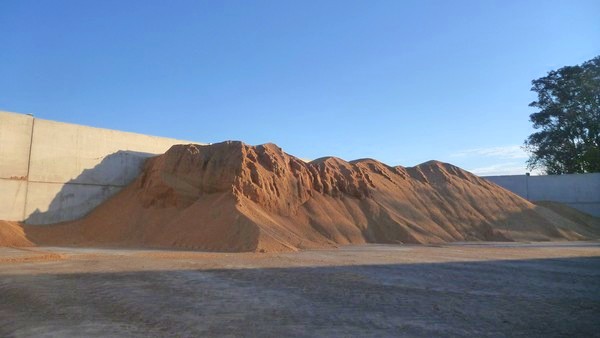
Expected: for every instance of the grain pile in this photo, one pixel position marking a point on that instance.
(234, 197)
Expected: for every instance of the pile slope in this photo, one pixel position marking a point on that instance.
(234, 197)
(12, 234)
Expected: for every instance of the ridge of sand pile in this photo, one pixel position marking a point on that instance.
(234, 197)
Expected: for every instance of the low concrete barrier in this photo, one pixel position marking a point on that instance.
(580, 191)
(52, 172)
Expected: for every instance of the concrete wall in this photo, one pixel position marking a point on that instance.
(580, 191)
(52, 172)
(15, 143)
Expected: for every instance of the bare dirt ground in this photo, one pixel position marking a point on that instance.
(538, 289)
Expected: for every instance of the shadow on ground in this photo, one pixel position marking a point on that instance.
(535, 297)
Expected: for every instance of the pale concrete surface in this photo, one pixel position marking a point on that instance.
(52, 171)
(15, 139)
(482, 290)
(580, 191)
(62, 202)
(61, 152)
(514, 183)
(12, 199)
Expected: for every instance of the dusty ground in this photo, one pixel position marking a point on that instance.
(549, 289)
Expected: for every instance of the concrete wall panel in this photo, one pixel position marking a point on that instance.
(12, 199)
(515, 183)
(580, 191)
(576, 188)
(52, 172)
(54, 202)
(15, 138)
(63, 152)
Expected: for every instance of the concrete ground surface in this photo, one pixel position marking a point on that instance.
(492, 289)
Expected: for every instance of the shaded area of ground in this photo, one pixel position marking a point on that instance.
(456, 290)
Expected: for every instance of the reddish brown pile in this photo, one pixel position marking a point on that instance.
(13, 234)
(234, 197)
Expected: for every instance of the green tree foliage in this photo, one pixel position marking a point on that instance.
(568, 140)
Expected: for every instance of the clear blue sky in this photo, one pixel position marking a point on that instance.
(400, 81)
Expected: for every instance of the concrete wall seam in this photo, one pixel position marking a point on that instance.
(28, 167)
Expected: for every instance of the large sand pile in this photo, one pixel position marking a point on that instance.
(234, 197)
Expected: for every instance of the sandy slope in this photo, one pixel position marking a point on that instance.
(234, 197)
(13, 234)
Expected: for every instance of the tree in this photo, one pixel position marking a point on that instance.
(568, 140)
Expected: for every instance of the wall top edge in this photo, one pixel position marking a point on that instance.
(3, 112)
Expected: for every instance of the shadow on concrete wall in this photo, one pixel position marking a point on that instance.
(80, 195)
